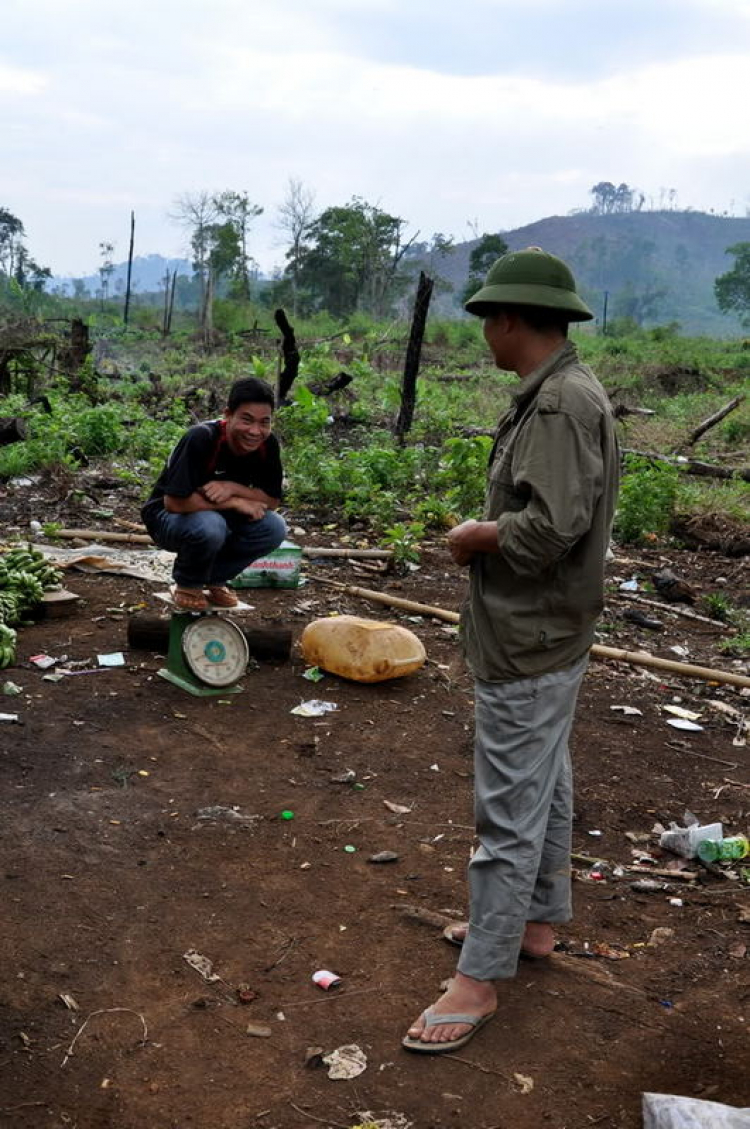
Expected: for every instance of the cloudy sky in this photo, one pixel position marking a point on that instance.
(485, 113)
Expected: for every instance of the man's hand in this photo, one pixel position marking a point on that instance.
(218, 493)
(471, 537)
(254, 510)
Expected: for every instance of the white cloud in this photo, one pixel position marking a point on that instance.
(17, 80)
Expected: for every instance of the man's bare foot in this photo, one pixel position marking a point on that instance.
(538, 938)
(464, 995)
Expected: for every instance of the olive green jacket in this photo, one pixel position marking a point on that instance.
(551, 488)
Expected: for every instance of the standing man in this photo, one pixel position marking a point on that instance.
(213, 503)
(536, 589)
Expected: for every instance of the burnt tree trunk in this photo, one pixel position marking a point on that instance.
(413, 354)
(168, 328)
(130, 269)
(148, 632)
(290, 356)
(12, 430)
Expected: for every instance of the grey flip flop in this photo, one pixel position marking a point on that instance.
(432, 1019)
(452, 940)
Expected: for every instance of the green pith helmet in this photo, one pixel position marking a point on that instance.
(530, 278)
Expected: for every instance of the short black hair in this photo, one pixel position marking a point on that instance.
(250, 390)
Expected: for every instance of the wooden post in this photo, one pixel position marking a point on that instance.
(167, 279)
(171, 303)
(290, 356)
(413, 353)
(130, 269)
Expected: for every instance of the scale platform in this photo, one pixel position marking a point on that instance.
(207, 652)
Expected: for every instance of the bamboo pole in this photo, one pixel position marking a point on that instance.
(635, 658)
(138, 538)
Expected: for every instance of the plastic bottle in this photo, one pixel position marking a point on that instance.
(724, 850)
(686, 840)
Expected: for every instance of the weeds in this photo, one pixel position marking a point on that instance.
(648, 492)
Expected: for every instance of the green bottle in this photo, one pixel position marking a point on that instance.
(723, 850)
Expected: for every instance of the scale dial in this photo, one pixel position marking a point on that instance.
(215, 650)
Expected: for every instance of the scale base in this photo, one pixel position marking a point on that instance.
(197, 689)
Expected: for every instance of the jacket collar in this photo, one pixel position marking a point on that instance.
(531, 384)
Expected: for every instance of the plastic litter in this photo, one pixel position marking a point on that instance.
(114, 658)
(346, 1062)
(684, 725)
(202, 965)
(12, 689)
(685, 840)
(313, 674)
(314, 708)
(629, 586)
(723, 850)
(326, 980)
(630, 711)
(665, 1111)
(397, 809)
(11, 718)
(679, 711)
(44, 662)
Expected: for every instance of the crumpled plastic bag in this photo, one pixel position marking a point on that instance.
(345, 1062)
(665, 1111)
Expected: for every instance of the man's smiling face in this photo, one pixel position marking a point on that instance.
(247, 427)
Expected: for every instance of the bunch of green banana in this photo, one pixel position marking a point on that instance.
(7, 646)
(11, 607)
(26, 560)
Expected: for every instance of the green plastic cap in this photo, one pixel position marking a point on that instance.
(530, 278)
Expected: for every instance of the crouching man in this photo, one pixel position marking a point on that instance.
(213, 503)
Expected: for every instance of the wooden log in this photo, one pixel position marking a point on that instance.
(636, 658)
(717, 417)
(12, 430)
(693, 466)
(149, 632)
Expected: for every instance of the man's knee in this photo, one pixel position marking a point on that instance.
(206, 530)
(276, 527)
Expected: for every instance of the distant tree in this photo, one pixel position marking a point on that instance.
(604, 194)
(196, 213)
(295, 218)
(11, 239)
(732, 289)
(79, 289)
(352, 259)
(488, 249)
(236, 209)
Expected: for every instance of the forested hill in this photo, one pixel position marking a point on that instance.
(658, 267)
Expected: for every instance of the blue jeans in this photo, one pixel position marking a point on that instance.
(214, 546)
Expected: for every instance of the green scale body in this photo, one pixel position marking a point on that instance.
(207, 654)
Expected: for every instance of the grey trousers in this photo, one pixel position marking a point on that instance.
(523, 796)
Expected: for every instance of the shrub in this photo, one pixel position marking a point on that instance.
(647, 498)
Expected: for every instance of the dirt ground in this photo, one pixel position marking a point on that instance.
(110, 875)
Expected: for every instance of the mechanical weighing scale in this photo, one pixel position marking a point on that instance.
(207, 654)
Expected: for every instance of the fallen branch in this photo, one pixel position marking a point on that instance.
(635, 658)
(717, 417)
(684, 612)
(693, 466)
(321, 1120)
(424, 916)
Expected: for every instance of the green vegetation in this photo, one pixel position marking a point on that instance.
(648, 492)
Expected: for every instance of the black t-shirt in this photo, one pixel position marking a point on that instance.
(203, 455)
